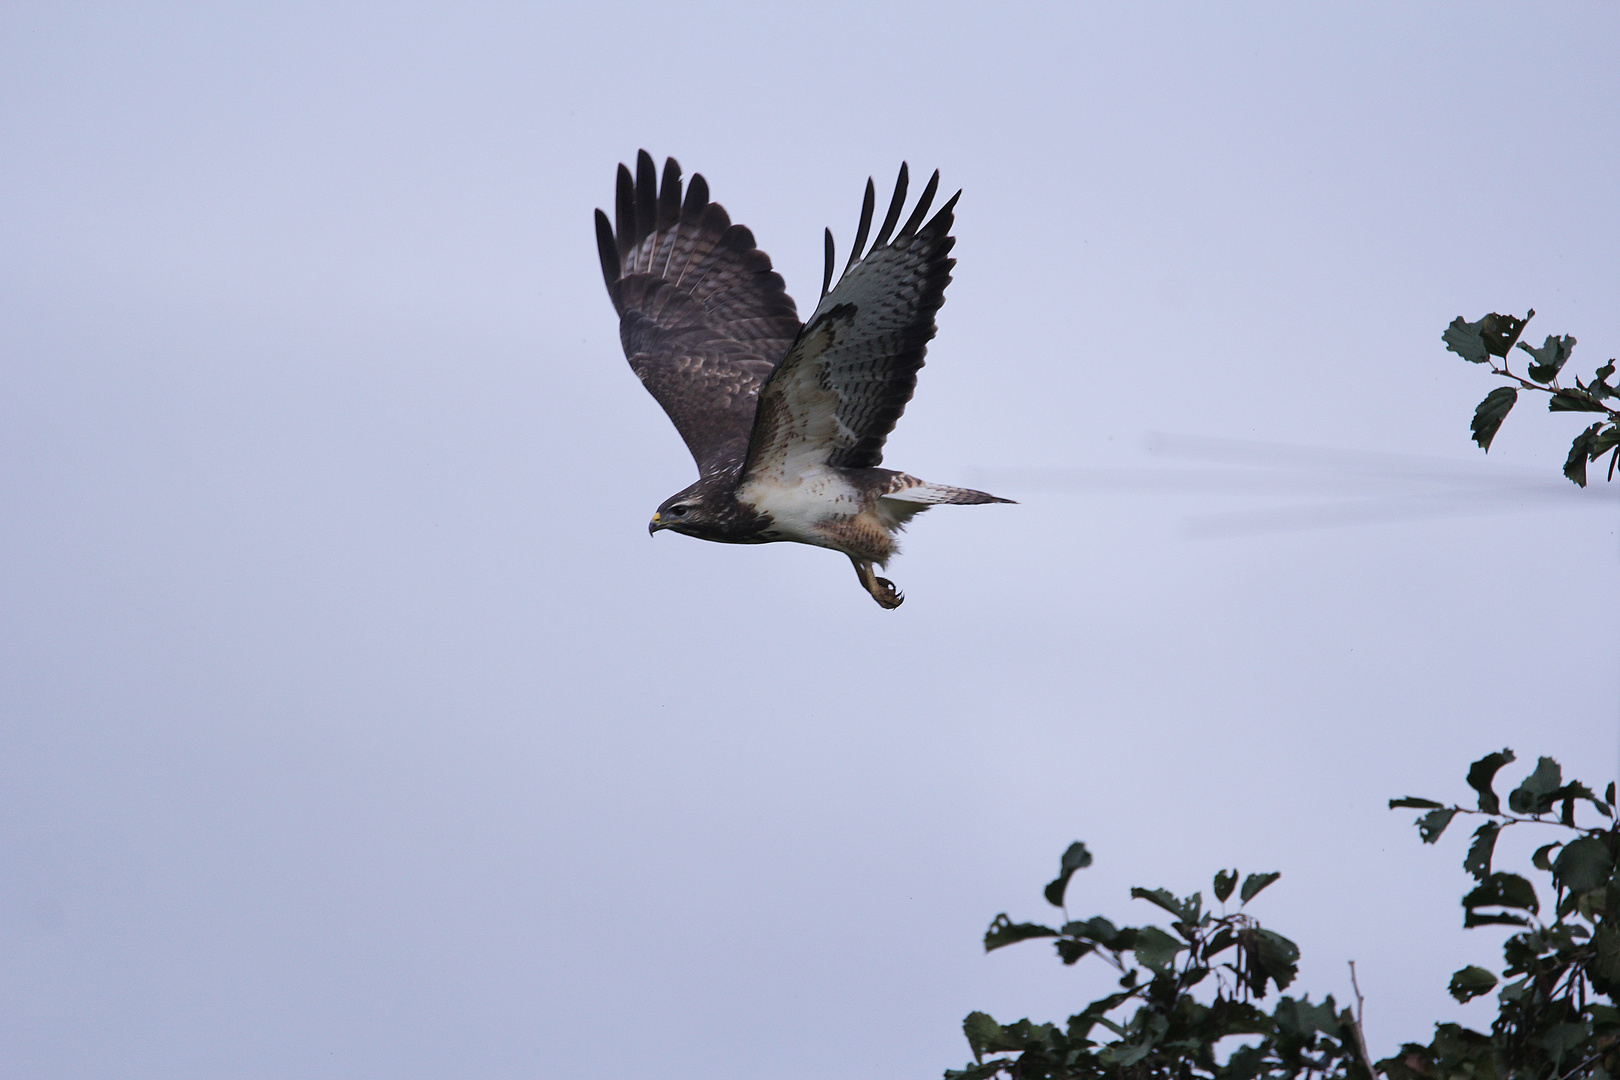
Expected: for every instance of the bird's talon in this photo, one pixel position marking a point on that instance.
(886, 594)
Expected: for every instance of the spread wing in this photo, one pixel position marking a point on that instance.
(837, 393)
(702, 316)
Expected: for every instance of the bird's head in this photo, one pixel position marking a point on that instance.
(693, 512)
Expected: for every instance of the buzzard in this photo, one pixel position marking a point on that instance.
(786, 420)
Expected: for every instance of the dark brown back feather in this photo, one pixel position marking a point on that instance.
(702, 316)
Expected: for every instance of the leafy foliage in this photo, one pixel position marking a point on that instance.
(1206, 976)
(1493, 338)
(1557, 1015)
(1155, 1025)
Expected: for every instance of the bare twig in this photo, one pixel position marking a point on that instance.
(1361, 1034)
(1589, 1060)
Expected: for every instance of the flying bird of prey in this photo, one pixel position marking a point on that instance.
(786, 420)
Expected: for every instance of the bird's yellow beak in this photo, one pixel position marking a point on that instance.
(656, 524)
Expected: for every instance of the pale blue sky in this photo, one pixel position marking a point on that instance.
(352, 725)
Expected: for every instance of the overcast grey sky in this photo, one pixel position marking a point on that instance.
(354, 727)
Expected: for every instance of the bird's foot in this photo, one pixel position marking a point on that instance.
(882, 589)
(887, 596)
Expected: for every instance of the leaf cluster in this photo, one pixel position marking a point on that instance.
(1492, 339)
(1557, 1017)
(1154, 1025)
(1204, 977)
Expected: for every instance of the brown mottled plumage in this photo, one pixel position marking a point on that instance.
(786, 422)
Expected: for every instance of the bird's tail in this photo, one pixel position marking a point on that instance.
(935, 494)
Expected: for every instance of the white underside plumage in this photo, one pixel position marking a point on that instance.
(817, 506)
(801, 506)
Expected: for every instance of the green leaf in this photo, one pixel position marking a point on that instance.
(1246, 1062)
(1162, 897)
(1503, 890)
(986, 1071)
(1003, 931)
(1224, 884)
(1271, 956)
(1580, 451)
(1560, 1039)
(1075, 858)
(1123, 1055)
(1603, 442)
(982, 1033)
(1607, 943)
(1583, 865)
(1575, 790)
(1193, 975)
(1477, 342)
(1605, 1015)
(1536, 794)
(1027, 1035)
(1608, 793)
(1499, 332)
(1574, 400)
(1254, 883)
(1156, 949)
(1599, 386)
(1224, 939)
(1473, 918)
(1549, 360)
(1480, 775)
(1080, 1024)
(1489, 414)
(1100, 930)
(1301, 1018)
(1470, 982)
(1463, 338)
(1478, 861)
(1414, 803)
(1541, 860)
(1070, 951)
(1432, 824)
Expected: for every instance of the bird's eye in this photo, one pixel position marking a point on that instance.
(677, 511)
